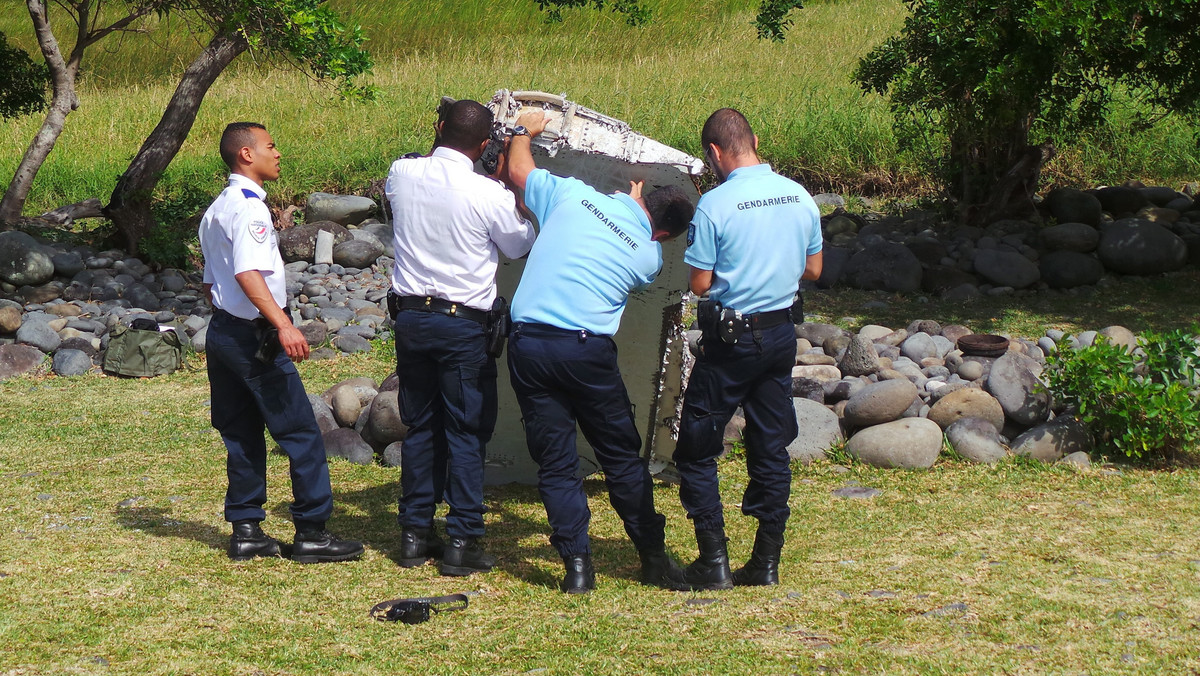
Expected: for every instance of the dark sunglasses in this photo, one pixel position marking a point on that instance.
(417, 610)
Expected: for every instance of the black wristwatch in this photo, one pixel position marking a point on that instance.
(519, 130)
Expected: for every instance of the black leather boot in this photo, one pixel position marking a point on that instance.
(659, 569)
(711, 569)
(464, 556)
(763, 566)
(248, 541)
(417, 545)
(320, 546)
(580, 578)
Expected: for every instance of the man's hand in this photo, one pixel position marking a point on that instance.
(635, 189)
(293, 343)
(534, 121)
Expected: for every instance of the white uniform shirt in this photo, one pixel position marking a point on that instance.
(236, 236)
(448, 223)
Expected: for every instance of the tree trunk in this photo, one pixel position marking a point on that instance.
(129, 205)
(63, 101)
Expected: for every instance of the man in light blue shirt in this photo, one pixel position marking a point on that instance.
(751, 241)
(592, 250)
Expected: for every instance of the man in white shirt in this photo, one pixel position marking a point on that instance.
(251, 346)
(450, 224)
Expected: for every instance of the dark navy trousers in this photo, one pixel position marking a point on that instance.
(756, 374)
(448, 402)
(562, 377)
(248, 396)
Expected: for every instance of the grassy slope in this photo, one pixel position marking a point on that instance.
(664, 79)
(1060, 571)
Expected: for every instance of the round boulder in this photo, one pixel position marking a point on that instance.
(907, 443)
(1018, 390)
(351, 343)
(860, 358)
(357, 253)
(341, 209)
(1119, 335)
(39, 335)
(819, 430)
(345, 405)
(323, 413)
(1051, 441)
(1079, 237)
(384, 426)
(967, 402)
(300, 243)
(16, 360)
(1069, 269)
(344, 442)
(886, 266)
(1071, 205)
(880, 402)
(71, 362)
(1006, 268)
(1134, 246)
(10, 319)
(976, 440)
(919, 346)
(1120, 200)
(23, 261)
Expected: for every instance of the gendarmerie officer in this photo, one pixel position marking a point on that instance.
(592, 251)
(449, 226)
(752, 240)
(250, 349)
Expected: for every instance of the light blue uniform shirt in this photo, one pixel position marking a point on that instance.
(592, 250)
(754, 231)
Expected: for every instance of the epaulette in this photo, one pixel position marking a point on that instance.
(250, 194)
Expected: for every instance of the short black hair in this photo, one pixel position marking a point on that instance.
(466, 124)
(670, 210)
(236, 136)
(730, 131)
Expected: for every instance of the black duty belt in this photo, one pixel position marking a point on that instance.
(765, 320)
(446, 307)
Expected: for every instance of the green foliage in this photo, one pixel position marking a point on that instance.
(306, 33)
(973, 82)
(22, 82)
(635, 13)
(172, 242)
(1144, 406)
(772, 20)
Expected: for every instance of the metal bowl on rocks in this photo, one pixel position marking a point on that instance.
(983, 345)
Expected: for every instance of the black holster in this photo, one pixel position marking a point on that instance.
(719, 323)
(393, 303)
(497, 327)
(268, 341)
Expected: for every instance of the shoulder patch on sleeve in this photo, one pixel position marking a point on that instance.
(250, 193)
(691, 234)
(259, 230)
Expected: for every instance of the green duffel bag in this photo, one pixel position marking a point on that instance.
(142, 353)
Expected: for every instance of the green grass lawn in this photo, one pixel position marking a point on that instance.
(113, 560)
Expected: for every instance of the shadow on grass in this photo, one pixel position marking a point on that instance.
(157, 521)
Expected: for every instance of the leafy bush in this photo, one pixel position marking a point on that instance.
(1144, 403)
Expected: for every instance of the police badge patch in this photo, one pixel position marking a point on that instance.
(691, 234)
(259, 230)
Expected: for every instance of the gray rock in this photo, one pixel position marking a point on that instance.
(39, 335)
(391, 454)
(856, 492)
(1119, 335)
(1018, 390)
(70, 362)
(342, 209)
(351, 344)
(817, 334)
(1119, 200)
(23, 261)
(885, 266)
(968, 402)
(1069, 205)
(323, 413)
(918, 346)
(67, 264)
(1079, 459)
(340, 314)
(880, 402)
(907, 443)
(357, 253)
(807, 388)
(829, 199)
(344, 442)
(200, 339)
(821, 374)
(17, 360)
(346, 406)
(835, 347)
(819, 430)
(1050, 441)
(836, 259)
(860, 358)
(10, 319)
(315, 332)
(1079, 237)
(384, 426)
(976, 440)
(970, 370)
(1134, 246)
(299, 243)
(1006, 268)
(1069, 269)
(961, 293)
